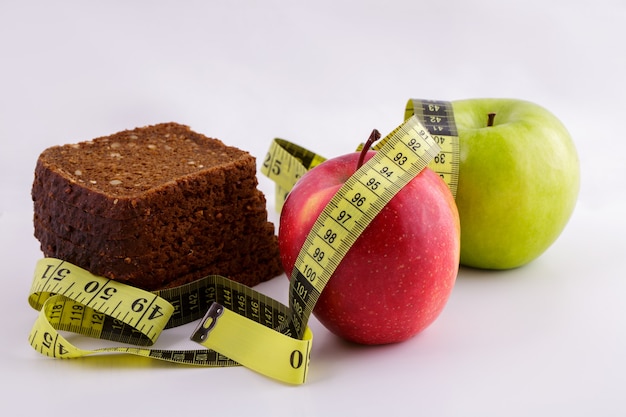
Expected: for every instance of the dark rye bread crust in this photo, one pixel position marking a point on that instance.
(154, 207)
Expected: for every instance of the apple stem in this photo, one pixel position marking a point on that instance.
(491, 116)
(374, 136)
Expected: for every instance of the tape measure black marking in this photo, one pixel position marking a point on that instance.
(438, 117)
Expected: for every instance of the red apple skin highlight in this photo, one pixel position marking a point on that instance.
(398, 275)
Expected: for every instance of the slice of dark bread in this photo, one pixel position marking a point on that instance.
(155, 206)
(155, 232)
(136, 172)
(158, 269)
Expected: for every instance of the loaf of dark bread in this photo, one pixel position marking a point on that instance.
(154, 207)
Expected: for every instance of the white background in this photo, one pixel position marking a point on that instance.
(547, 339)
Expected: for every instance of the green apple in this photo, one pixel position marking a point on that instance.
(519, 178)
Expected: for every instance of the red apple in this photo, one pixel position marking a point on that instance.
(397, 277)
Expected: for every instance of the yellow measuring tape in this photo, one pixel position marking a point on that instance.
(241, 326)
(438, 118)
(286, 162)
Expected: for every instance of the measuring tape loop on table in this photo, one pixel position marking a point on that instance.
(71, 299)
(286, 162)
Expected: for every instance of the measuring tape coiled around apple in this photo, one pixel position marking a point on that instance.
(407, 150)
(241, 326)
(72, 299)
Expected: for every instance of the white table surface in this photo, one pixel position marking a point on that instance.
(546, 339)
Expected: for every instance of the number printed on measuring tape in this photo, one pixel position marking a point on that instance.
(438, 117)
(98, 306)
(285, 163)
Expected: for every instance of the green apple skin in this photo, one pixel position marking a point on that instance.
(518, 181)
